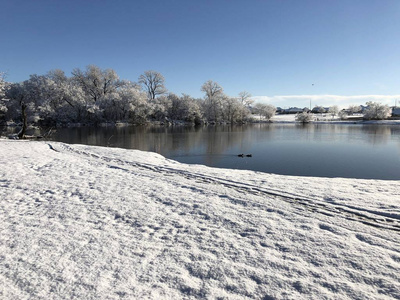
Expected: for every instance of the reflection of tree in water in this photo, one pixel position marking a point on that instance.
(231, 140)
(378, 134)
(395, 134)
(12, 130)
(373, 134)
(213, 145)
(212, 142)
(221, 138)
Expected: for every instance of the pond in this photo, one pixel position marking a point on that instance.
(322, 150)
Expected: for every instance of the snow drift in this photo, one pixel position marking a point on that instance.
(89, 222)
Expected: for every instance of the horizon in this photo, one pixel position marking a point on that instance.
(284, 53)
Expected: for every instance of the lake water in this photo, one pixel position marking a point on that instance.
(324, 150)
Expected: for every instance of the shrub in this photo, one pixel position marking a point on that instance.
(377, 111)
(304, 117)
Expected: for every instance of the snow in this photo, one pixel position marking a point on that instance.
(327, 119)
(90, 222)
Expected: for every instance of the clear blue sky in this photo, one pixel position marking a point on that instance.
(266, 47)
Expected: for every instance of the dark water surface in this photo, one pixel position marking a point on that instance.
(324, 150)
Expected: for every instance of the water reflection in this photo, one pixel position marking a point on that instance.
(337, 150)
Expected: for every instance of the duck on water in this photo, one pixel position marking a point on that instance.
(243, 155)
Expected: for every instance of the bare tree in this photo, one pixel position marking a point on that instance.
(21, 133)
(333, 110)
(244, 98)
(213, 100)
(153, 82)
(212, 89)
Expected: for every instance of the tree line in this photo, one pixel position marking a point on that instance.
(94, 95)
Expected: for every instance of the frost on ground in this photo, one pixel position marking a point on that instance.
(328, 119)
(81, 222)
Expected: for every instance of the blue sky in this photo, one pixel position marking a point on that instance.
(269, 48)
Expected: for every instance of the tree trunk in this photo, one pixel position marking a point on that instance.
(21, 133)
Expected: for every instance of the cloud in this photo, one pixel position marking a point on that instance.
(325, 100)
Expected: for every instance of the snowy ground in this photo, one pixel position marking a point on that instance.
(82, 222)
(327, 118)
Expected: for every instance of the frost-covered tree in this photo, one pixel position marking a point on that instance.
(46, 98)
(265, 110)
(49, 99)
(153, 82)
(159, 108)
(244, 98)
(233, 110)
(69, 101)
(119, 105)
(15, 95)
(304, 117)
(377, 111)
(89, 96)
(212, 89)
(318, 109)
(43, 97)
(353, 109)
(133, 104)
(176, 109)
(343, 114)
(17, 105)
(333, 110)
(192, 112)
(94, 95)
(75, 105)
(184, 108)
(213, 100)
(3, 107)
(96, 83)
(3, 85)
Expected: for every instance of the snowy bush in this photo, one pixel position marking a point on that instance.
(304, 117)
(377, 111)
(343, 115)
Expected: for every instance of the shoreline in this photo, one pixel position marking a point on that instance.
(277, 119)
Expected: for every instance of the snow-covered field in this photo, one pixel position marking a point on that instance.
(327, 118)
(82, 222)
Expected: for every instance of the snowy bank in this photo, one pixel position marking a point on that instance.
(89, 222)
(326, 119)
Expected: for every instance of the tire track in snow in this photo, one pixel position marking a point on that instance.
(371, 218)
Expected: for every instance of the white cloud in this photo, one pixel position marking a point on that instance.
(325, 100)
